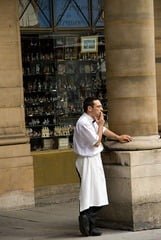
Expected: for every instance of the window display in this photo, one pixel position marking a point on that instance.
(57, 78)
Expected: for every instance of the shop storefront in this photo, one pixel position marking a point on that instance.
(62, 64)
(63, 57)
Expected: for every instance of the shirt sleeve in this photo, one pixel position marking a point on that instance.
(88, 133)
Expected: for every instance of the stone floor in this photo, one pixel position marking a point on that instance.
(58, 221)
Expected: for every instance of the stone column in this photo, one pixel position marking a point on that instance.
(157, 17)
(16, 165)
(131, 83)
(133, 170)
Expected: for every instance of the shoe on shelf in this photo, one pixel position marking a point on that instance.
(95, 232)
(84, 225)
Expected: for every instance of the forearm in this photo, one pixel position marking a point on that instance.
(111, 135)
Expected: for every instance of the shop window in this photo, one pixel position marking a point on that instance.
(34, 13)
(71, 14)
(59, 72)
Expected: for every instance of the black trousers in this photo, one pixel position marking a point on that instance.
(91, 213)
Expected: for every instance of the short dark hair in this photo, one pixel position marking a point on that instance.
(88, 102)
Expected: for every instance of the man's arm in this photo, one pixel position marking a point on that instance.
(113, 136)
(100, 122)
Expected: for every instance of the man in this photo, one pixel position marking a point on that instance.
(87, 145)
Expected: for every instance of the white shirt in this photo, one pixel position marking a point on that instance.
(86, 136)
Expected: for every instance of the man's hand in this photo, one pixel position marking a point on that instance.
(124, 138)
(100, 120)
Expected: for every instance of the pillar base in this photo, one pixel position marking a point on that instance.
(16, 176)
(17, 199)
(133, 183)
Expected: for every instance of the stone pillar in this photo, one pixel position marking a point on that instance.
(131, 84)
(133, 170)
(16, 164)
(157, 20)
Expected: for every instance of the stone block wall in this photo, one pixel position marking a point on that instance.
(133, 183)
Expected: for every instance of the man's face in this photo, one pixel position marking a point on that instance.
(96, 109)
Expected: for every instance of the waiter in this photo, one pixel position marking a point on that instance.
(87, 145)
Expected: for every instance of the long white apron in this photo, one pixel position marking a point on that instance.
(93, 190)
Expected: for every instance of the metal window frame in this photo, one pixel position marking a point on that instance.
(54, 24)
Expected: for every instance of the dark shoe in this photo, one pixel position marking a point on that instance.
(95, 232)
(84, 225)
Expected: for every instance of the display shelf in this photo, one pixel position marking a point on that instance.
(40, 126)
(57, 78)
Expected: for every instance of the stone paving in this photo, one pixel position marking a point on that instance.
(58, 221)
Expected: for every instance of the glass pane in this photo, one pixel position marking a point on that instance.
(97, 13)
(34, 13)
(44, 13)
(71, 14)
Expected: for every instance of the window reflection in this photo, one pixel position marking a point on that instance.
(97, 13)
(67, 13)
(72, 13)
(34, 13)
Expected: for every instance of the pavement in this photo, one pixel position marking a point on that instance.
(58, 221)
